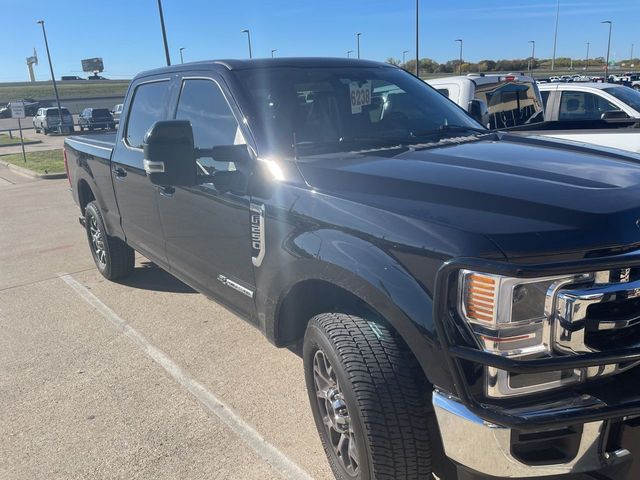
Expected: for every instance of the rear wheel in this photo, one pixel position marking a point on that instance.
(112, 256)
(369, 399)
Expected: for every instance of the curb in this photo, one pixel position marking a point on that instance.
(31, 142)
(31, 173)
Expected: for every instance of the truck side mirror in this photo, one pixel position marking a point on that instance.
(169, 153)
(613, 115)
(479, 110)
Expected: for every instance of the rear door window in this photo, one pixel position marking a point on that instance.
(148, 106)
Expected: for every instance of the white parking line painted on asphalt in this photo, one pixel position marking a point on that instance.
(278, 460)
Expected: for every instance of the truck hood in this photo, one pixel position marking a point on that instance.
(536, 200)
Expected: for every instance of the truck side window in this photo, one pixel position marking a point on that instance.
(545, 97)
(147, 107)
(583, 106)
(203, 103)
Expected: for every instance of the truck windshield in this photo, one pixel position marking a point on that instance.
(511, 103)
(333, 109)
(627, 95)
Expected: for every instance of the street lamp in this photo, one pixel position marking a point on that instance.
(349, 52)
(631, 57)
(358, 41)
(404, 57)
(606, 67)
(417, 41)
(460, 65)
(273, 50)
(586, 67)
(533, 54)
(164, 33)
(555, 38)
(181, 57)
(53, 77)
(248, 39)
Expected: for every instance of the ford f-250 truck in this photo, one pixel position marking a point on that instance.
(452, 288)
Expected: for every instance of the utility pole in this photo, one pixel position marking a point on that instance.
(555, 38)
(606, 67)
(181, 57)
(417, 39)
(587, 63)
(53, 77)
(460, 64)
(631, 56)
(164, 33)
(358, 41)
(249, 40)
(404, 57)
(533, 54)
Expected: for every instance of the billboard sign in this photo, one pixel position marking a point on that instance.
(92, 65)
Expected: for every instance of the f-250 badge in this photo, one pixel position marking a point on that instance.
(257, 234)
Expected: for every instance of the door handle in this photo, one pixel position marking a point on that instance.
(119, 172)
(166, 191)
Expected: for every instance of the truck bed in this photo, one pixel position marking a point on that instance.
(97, 144)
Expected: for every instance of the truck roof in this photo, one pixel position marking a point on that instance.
(236, 64)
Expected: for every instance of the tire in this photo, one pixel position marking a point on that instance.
(371, 379)
(113, 258)
(45, 131)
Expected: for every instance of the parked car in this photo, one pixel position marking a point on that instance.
(93, 118)
(496, 101)
(116, 112)
(589, 101)
(48, 120)
(96, 77)
(70, 77)
(448, 285)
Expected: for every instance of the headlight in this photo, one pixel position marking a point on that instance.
(511, 317)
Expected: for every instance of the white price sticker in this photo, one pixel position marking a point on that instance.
(360, 95)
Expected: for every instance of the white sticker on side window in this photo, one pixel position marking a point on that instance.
(360, 95)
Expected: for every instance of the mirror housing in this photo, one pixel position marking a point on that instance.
(479, 110)
(613, 115)
(169, 153)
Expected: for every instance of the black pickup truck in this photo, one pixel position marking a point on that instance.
(453, 289)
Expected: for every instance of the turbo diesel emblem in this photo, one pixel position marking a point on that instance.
(257, 234)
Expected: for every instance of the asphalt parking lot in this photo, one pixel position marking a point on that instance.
(179, 389)
(142, 379)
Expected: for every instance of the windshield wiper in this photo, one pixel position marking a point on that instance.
(443, 129)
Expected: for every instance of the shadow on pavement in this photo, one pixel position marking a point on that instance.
(148, 276)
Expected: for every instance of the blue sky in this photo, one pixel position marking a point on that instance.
(127, 34)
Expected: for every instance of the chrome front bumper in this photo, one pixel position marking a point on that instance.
(486, 448)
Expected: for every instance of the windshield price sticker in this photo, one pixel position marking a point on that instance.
(360, 95)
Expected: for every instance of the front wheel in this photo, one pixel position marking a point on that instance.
(369, 399)
(112, 256)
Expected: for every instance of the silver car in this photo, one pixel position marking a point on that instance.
(47, 120)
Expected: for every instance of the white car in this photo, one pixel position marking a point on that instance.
(47, 120)
(588, 101)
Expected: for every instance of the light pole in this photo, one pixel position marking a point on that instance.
(606, 67)
(249, 40)
(181, 57)
(460, 65)
(273, 50)
(53, 77)
(417, 41)
(349, 52)
(164, 33)
(631, 57)
(404, 57)
(555, 38)
(587, 62)
(533, 54)
(358, 41)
